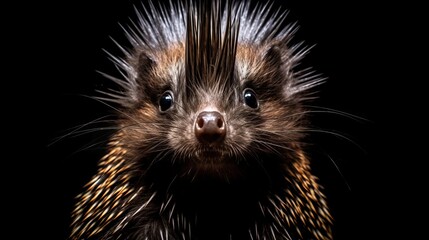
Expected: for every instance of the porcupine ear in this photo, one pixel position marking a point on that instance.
(273, 56)
(286, 59)
(144, 66)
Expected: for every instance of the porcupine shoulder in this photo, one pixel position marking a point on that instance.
(209, 139)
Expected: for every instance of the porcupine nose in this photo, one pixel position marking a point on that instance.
(210, 127)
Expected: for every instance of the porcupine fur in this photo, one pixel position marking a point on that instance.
(162, 180)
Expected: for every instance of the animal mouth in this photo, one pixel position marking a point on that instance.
(218, 163)
(210, 155)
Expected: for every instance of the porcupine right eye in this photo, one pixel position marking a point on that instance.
(166, 101)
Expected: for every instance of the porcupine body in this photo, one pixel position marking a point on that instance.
(209, 140)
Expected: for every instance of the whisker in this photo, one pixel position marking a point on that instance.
(339, 135)
(92, 130)
(114, 108)
(282, 133)
(335, 111)
(339, 171)
(76, 129)
(271, 146)
(92, 145)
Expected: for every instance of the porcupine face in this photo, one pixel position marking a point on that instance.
(212, 90)
(216, 126)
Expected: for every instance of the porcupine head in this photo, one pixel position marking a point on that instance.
(210, 128)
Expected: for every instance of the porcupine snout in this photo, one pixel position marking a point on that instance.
(210, 127)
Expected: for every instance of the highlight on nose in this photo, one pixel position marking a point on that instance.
(210, 127)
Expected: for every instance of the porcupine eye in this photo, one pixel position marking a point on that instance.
(250, 99)
(166, 101)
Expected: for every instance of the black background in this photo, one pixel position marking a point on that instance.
(56, 48)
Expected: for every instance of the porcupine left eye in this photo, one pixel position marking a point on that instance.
(166, 101)
(250, 98)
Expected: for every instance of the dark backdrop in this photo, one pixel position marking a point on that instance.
(59, 48)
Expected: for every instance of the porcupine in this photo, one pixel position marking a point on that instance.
(210, 129)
